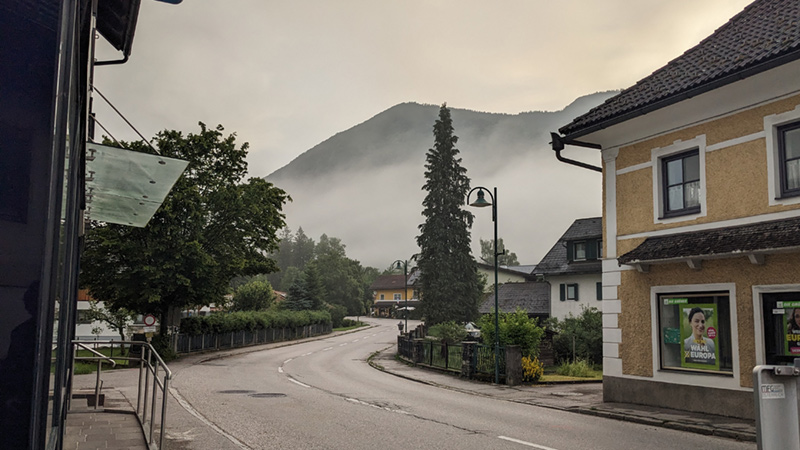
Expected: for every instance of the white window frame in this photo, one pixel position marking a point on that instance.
(575, 250)
(566, 291)
(396, 296)
(656, 155)
(771, 125)
(710, 380)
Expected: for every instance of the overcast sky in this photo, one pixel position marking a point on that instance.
(286, 75)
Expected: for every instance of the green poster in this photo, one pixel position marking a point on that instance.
(699, 335)
(791, 328)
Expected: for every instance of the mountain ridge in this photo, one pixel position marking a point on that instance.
(364, 184)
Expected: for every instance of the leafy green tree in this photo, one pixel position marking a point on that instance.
(253, 296)
(579, 337)
(340, 275)
(449, 275)
(487, 253)
(117, 319)
(211, 228)
(515, 329)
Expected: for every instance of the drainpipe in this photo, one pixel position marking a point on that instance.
(558, 143)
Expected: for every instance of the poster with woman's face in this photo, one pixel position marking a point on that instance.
(791, 328)
(699, 335)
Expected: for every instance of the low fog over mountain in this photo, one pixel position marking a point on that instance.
(364, 185)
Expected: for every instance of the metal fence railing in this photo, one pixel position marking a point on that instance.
(450, 357)
(153, 385)
(483, 360)
(184, 343)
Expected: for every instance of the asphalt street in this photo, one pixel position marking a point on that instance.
(322, 394)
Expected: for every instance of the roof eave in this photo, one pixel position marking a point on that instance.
(786, 58)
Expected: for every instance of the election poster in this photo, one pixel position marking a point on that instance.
(699, 336)
(791, 327)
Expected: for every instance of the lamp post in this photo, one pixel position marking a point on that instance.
(397, 265)
(481, 202)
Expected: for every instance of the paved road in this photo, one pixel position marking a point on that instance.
(323, 395)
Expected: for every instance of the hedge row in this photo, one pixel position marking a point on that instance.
(251, 320)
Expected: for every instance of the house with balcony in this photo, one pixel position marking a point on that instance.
(573, 269)
(701, 216)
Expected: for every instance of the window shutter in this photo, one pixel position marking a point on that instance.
(599, 290)
(562, 288)
(576, 292)
(591, 249)
(570, 251)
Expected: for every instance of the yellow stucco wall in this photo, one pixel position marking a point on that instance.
(389, 294)
(736, 176)
(636, 348)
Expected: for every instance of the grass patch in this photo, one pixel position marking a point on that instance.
(85, 367)
(579, 370)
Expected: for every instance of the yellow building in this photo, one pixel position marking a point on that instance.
(387, 291)
(701, 217)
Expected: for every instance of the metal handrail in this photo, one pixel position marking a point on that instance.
(149, 364)
(100, 358)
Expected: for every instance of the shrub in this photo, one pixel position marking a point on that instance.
(448, 332)
(532, 369)
(253, 296)
(586, 331)
(251, 321)
(515, 329)
(577, 368)
(337, 313)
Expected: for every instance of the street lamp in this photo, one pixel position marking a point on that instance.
(404, 264)
(480, 202)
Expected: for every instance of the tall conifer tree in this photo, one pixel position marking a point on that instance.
(449, 275)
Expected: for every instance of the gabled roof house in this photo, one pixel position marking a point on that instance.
(701, 216)
(573, 268)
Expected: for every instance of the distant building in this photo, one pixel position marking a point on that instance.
(388, 294)
(574, 270)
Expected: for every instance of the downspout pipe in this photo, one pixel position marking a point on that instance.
(558, 143)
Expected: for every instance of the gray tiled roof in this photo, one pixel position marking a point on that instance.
(763, 238)
(530, 296)
(388, 282)
(522, 271)
(764, 35)
(555, 262)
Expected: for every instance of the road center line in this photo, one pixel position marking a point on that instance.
(529, 444)
(342, 345)
(326, 349)
(299, 383)
(288, 360)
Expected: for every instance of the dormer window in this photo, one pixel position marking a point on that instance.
(584, 250)
(580, 251)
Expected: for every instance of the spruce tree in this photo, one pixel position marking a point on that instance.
(449, 275)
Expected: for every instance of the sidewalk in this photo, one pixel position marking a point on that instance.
(584, 398)
(113, 426)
